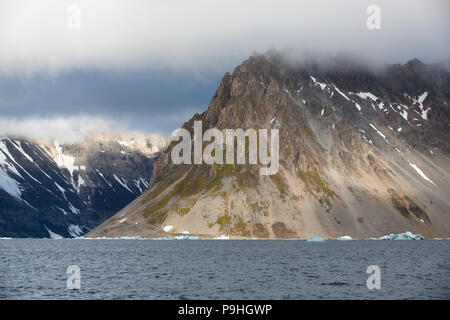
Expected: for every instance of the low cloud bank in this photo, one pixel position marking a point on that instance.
(63, 129)
(210, 36)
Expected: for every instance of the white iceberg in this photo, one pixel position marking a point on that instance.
(344, 238)
(129, 238)
(222, 237)
(187, 238)
(315, 239)
(400, 236)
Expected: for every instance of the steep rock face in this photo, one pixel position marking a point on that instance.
(51, 189)
(362, 153)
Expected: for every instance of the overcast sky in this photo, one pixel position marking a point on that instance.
(149, 65)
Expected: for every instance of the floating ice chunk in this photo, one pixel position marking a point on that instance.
(345, 238)
(187, 238)
(400, 236)
(167, 228)
(130, 238)
(315, 239)
(222, 237)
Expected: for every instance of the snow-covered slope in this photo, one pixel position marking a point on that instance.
(51, 189)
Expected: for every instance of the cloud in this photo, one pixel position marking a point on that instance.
(148, 65)
(210, 36)
(66, 130)
(145, 101)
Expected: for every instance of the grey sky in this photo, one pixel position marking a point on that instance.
(148, 65)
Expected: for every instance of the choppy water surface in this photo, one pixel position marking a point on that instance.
(241, 269)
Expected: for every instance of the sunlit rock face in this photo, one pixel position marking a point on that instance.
(363, 153)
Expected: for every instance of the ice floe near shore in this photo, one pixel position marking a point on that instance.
(315, 239)
(400, 236)
(222, 237)
(344, 238)
(187, 238)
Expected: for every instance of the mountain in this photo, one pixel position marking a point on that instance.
(363, 153)
(55, 189)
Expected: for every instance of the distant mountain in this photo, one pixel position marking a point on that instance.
(55, 189)
(363, 153)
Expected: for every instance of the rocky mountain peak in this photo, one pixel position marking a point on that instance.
(362, 152)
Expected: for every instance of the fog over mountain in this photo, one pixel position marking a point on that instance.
(207, 36)
(151, 63)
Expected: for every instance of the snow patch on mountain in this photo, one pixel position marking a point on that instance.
(9, 185)
(341, 93)
(419, 101)
(75, 231)
(64, 161)
(420, 172)
(367, 95)
(379, 132)
(52, 234)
